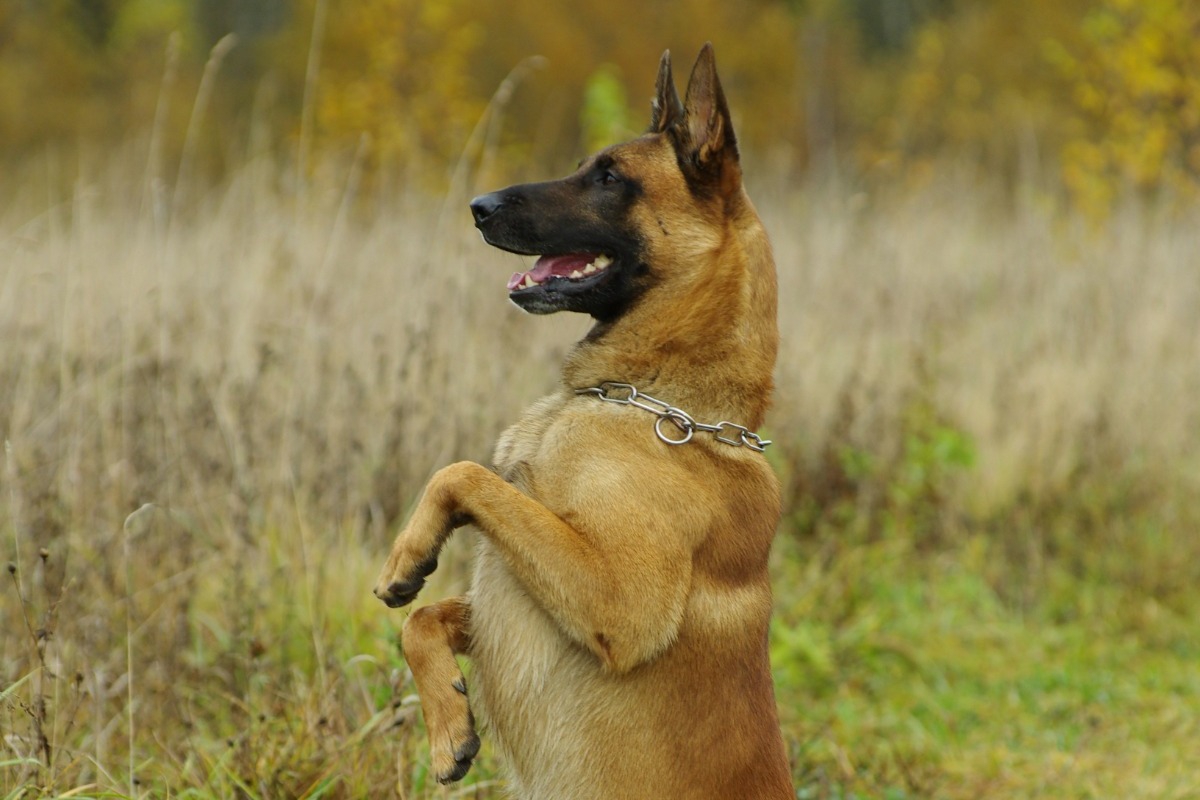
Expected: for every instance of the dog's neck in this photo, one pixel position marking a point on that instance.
(706, 341)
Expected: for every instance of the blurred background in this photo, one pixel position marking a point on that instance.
(244, 315)
(1102, 94)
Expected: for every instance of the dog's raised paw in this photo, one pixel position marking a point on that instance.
(399, 593)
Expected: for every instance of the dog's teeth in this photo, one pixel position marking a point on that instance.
(589, 269)
(602, 261)
(528, 282)
(576, 275)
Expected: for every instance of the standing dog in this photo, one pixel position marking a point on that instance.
(619, 610)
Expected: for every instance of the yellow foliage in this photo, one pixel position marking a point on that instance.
(37, 103)
(1106, 90)
(971, 83)
(397, 71)
(1137, 101)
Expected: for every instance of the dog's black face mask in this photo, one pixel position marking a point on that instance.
(589, 252)
(602, 233)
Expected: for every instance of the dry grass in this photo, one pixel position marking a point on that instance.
(215, 419)
(1050, 343)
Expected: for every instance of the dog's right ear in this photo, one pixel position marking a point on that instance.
(666, 108)
(707, 133)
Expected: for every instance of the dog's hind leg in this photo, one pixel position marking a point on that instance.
(432, 636)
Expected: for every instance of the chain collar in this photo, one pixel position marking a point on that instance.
(728, 432)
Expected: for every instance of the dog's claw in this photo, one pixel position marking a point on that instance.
(464, 756)
(460, 685)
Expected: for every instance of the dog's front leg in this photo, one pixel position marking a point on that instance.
(432, 636)
(414, 554)
(623, 600)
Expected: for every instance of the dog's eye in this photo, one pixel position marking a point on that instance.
(608, 178)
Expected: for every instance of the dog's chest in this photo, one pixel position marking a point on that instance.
(523, 662)
(525, 679)
(517, 448)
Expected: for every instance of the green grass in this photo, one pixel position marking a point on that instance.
(904, 676)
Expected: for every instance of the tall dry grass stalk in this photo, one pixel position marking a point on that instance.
(273, 383)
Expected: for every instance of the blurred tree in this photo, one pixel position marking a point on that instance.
(1135, 92)
(1108, 88)
(606, 116)
(95, 18)
(973, 82)
(397, 71)
(887, 26)
(50, 73)
(247, 19)
(754, 41)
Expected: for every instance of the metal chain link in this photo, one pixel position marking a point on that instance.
(625, 394)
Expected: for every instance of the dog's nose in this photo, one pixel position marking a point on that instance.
(485, 205)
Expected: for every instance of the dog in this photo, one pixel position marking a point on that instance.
(618, 614)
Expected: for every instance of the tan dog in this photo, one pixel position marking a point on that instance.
(618, 615)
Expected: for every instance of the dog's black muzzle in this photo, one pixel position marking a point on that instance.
(556, 218)
(512, 221)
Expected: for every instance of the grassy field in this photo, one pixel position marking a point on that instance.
(217, 409)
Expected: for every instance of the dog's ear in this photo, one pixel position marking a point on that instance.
(706, 134)
(665, 109)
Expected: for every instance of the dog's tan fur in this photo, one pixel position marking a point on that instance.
(618, 615)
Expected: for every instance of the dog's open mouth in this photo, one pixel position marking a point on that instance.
(571, 268)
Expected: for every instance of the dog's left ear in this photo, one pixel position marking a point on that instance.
(666, 110)
(705, 134)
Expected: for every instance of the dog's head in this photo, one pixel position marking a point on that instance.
(631, 216)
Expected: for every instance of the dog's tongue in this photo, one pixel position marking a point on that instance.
(549, 266)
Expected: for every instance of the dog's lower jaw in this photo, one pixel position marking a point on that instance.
(604, 295)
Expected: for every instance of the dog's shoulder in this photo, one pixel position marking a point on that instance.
(519, 442)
